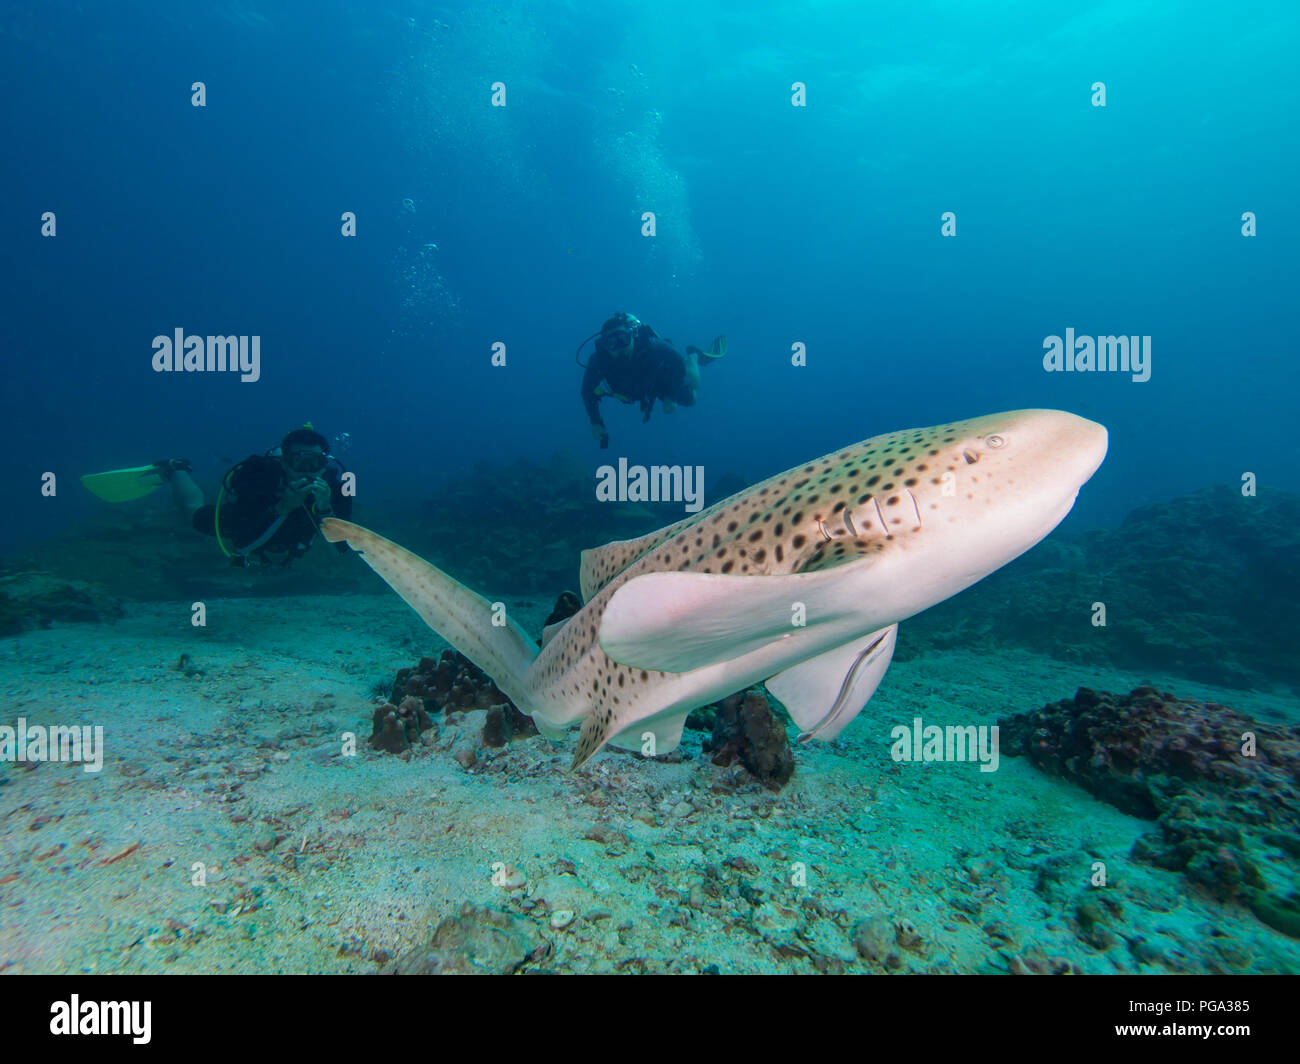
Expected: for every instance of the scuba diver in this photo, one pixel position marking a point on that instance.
(269, 506)
(633, 364)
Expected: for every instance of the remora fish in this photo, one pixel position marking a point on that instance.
(800, 580)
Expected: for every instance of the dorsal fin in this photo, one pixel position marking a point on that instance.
(550, 631)
(599, 565)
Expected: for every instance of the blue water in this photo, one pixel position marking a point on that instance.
(777, 225)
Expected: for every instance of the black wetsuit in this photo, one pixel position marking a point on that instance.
(654, 370)
(252, 488)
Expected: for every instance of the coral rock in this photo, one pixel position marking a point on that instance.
(745, 728)
(397, 728)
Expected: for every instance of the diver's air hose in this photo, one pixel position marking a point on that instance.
(584, 343)
(216, 519)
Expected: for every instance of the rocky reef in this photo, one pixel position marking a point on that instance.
(31, 599)
(1194, 586)
(1224, 789)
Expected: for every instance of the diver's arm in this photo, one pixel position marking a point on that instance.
(589, 381)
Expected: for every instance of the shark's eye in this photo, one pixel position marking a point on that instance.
(995, 441)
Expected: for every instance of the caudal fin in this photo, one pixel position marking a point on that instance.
(491, 640)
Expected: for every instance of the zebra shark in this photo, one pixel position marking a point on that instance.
(799, 581)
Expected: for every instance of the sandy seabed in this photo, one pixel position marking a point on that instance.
(227, 832)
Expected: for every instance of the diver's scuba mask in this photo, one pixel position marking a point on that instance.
(306, 461)
(619, 339)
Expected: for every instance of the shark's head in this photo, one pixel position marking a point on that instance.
(1020, 471)
(974, 494)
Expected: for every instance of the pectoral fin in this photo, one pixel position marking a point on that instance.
(676, 622)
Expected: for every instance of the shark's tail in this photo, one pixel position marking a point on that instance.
(469, 622)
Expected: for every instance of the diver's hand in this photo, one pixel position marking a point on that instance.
(294, 495)
(601, 435)
(320, 492)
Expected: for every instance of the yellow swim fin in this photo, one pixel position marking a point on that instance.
(123, 485)
(715, 350)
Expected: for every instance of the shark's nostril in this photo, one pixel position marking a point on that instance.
(970, 456)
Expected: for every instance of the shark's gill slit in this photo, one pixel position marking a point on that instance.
(822, 529)
(883, 527)
(915, 507)
(848, 523)
(846, 688)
